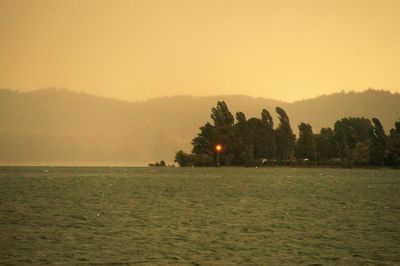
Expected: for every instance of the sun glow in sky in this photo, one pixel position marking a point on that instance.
(134, 50)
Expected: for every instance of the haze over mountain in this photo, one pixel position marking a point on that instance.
(58, 126)
(134, 49)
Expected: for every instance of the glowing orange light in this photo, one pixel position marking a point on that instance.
(218, 148)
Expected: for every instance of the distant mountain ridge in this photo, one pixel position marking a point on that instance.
(58, 126)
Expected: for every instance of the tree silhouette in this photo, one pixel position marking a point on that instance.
(284, 136)
(254, 141)
(305, 147)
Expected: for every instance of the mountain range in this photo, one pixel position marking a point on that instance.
(63, 127)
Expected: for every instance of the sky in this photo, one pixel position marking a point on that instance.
(136, 50)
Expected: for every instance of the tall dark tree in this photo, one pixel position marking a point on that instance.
(241, 118)
(266, 119)
(378, 145)
(326, 146)
(353, 134)
(204, 142)
(241, 146)
(284, 136)
(257, 138)
(242, 128)
(394, 145)
(269, 143)
(305, 146)
(221, 115)
(219, 133)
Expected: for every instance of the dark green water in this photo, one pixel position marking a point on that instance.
(194, 216)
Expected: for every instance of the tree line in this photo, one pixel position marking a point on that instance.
(257, 142)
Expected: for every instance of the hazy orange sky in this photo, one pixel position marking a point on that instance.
(135, 50)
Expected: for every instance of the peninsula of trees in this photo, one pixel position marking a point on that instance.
(257, 142)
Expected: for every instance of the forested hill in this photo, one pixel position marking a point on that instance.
(57, 126)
